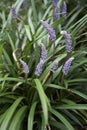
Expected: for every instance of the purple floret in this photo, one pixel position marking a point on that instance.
(68, 41)
(78, 5)
(38, 70)
(67, 65)
(25, 4)
(43, 52)
(50, 30)
(64, 9)
(25, 67)
(54, 2)
(55, 66)
(56, 14)
(14, 14)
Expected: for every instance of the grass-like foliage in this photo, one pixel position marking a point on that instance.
(43, 65)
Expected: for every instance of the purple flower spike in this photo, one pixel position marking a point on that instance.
(14, 15)
(54, 3)
(78, 5)
(25, 67)
(56, 13)
(50, 30)
(43, 52)
(25, 4)
(55, 66)
(38, 70)
(67, 65)
(64, 9)
(68, 41)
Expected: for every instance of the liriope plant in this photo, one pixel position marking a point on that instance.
(43, 73)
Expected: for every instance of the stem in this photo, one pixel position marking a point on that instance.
(60, 91)
(54, 48)
(18, 35)
(34, 10)
(62, 79)
(48, 127)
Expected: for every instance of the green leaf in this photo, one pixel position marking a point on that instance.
(1, 50)
(73, 17)
(9, 63)
(54, 86)
(34, 10)
(31, 116)
(73, 117)
(58, 125)
(28, 32)
(17, 119)
(12, 79)
(4, 94)
(71, 107)
(47, 12)
(9, 115)
(62, 119)
(77, 80)
(2, 117)
(3, 83)
(30, 21)
(43, 99)
(79, 93)
(11, 42)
